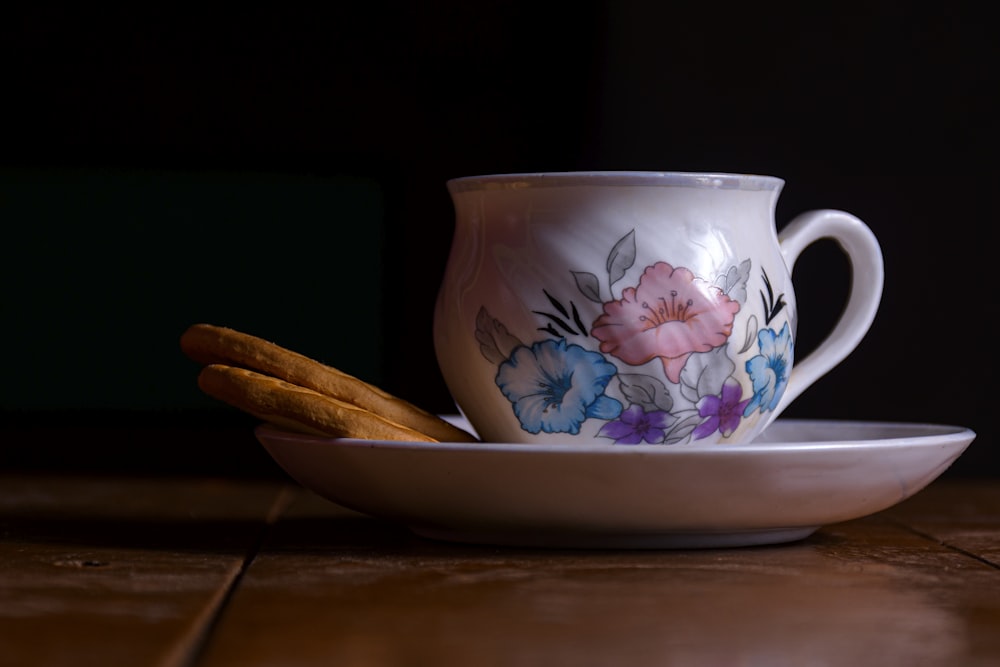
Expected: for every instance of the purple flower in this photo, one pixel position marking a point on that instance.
(635, 425)
(723, 412)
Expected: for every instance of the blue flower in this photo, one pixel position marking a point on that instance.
(769, 370)
(554, 387)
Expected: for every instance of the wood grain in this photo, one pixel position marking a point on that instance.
(207, 572)
(360, 592)
(116, 571)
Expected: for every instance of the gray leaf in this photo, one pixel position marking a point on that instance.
(621, 258)
(705, 372)
(646, 391)
(751, 334)
(495, 342)
(682, 428)
(588, 284)
(734, 281)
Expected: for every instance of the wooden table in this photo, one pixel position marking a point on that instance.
(176, 571)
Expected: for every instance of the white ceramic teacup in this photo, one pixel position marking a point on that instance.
(634, 307)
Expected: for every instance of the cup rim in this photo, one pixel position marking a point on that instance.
(697, 179)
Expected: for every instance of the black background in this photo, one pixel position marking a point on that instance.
(881, 109)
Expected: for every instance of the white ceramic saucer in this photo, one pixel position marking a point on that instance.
(798, 476)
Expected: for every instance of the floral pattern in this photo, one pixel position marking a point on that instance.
(636, 425)
(554, 386)
(669, 316)
(769, 370)
(669, 319)
(722, 413)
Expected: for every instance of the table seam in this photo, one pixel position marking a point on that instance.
(946, 544)
(192, 652)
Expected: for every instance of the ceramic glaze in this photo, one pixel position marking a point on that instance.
(634, 307)
(801, 475)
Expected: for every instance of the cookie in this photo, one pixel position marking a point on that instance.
(211, 344)
(298, 408)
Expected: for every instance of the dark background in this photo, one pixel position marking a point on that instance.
(281, 170)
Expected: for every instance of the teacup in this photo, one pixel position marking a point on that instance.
(634, 307)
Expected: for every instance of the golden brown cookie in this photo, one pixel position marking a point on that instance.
(211, 344)
(297, 408)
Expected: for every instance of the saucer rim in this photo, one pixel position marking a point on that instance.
(563, 496)
(914, 434)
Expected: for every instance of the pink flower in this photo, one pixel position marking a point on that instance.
(670, 315)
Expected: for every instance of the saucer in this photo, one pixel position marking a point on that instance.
(798, 476)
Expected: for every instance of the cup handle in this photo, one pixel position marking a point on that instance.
(867, 277)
